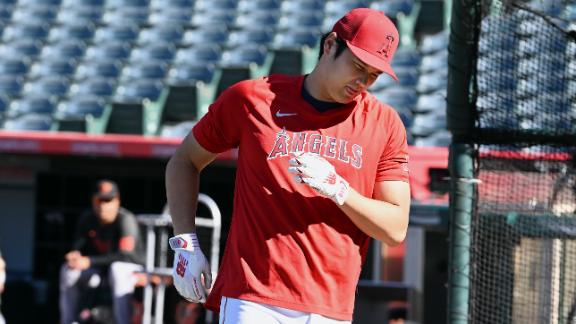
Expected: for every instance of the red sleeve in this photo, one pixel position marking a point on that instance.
(220, 129)
(393, 164)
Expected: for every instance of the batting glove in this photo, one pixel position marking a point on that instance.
(319, 174)
(189, 265)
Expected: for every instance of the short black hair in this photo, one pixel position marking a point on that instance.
(340, 43)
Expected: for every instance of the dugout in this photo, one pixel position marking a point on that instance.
(46, 182)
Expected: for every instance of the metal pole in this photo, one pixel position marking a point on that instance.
(464, 22)
(461, 207)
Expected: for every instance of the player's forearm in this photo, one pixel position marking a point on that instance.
(381, 220)
(182, 187)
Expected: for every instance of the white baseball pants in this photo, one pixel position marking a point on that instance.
(236, 311)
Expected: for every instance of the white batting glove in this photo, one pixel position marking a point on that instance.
(316, 172)
(190, 265)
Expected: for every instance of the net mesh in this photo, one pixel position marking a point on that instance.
(523, 257)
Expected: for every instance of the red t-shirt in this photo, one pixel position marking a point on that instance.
(288, 246)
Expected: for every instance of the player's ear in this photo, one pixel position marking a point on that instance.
(330, 43)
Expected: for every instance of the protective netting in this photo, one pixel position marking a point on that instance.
(526, 70)
(523, 234)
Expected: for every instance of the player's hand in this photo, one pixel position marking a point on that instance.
(191, 272)
(316, 172)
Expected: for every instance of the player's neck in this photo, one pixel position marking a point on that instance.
(313, 85)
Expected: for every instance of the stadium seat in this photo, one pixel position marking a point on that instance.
(97, 69)
(336, 8)
(4, 102)
(56, 67)
(393, 7)
(114, 51)
(79, 15)
(182, 5)
(432, 82)
(144, 70)
(531, 107)
(80, 107)
(212, 18)
(192, 55)
(5, 12)
(302, 6)
(431, 102)
(31, 3)
(244, 55)
(205, 36)
(256, 5)
(433, 43)
(54, 86)
(22, 48)
(190, 73)
(159, 52)
(258, 19)
(406, 116)
(488, 40)
(130, 15)
(434, 62)
(81, 31)
(570, 12)
(296, 38)
(570, 51)
(66, 49)
(407, 76)
(252, 36)
(170, 16)
(534, 65)
(138, 90)
(427, 124)
(83, 3)
(93, 87)
(35, 14)
(13, 66)
(440, 138)
(168, 34)
(496, 61)
(407, 57)
(328, 22)
(116, 33)
(10, 86)
(304, 21)
(535, 45)
(383, 82)
(398, 97)
(31, 105)
(115, 4)
(25, 30)
(208, 5)
(30, 122)
(533, 26)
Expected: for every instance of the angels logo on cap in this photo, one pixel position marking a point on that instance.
(371, 36)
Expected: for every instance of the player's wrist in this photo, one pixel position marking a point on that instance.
(342, 191)
(185, 241)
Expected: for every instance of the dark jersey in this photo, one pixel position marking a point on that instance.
(106, 243)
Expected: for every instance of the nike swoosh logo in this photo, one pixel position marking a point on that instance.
(280, 114)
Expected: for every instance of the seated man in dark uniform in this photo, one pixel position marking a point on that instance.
(106, 246)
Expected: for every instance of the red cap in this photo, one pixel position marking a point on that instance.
(371, 36)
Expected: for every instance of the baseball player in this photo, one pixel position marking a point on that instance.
(106, 246)
(2, 282)
(322, 168)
